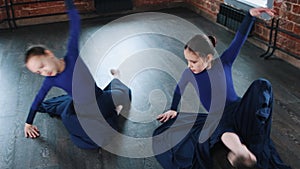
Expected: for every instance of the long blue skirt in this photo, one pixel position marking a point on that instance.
(116, 93)
(250, 118)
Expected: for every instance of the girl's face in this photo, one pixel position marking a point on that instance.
(196, 63)
(45, 65)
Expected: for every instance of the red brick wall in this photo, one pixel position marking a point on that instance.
(290, 22)
(2, 11)
(48, 7)
(210, 8)
(40, 8)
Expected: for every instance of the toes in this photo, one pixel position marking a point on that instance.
(231, 158)
(115, 72)
(245, 158)
(119, 109)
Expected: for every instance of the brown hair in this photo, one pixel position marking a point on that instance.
(35, 50)
(202, 45)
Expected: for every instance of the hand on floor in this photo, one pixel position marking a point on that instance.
(31, 131)
(166, 116)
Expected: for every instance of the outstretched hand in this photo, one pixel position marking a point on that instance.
(69, 4)
(31, 131)
(170, 114)
(258, 11)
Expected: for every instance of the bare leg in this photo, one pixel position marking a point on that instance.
(119, 109)
(116, 74)
(239, 153)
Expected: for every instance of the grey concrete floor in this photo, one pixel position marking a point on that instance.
(150, 95)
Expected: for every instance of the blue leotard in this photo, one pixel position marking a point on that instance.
(81, 89)
(62, 80)
(202, 81)
(249, 116)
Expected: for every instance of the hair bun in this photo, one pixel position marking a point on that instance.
(213, 40)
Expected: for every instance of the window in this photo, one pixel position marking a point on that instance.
(247, 4)
(255, 3)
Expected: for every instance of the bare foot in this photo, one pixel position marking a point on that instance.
(242, 158)
(119, 109)
(115, 73)
(239, 154)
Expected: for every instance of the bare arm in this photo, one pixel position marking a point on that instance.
(258, 11)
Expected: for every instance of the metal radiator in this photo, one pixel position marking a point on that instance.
(230, 17)
(106, 6)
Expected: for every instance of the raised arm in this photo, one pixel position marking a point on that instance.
(71, 57)
(240, 37)
(74, 31)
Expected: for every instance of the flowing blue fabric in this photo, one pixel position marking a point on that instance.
(62, 106)
(250, 117)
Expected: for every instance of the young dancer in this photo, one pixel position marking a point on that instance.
(60, 73)
(244, 127)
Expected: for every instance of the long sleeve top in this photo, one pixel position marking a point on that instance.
(62, 80)
(201, 81)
